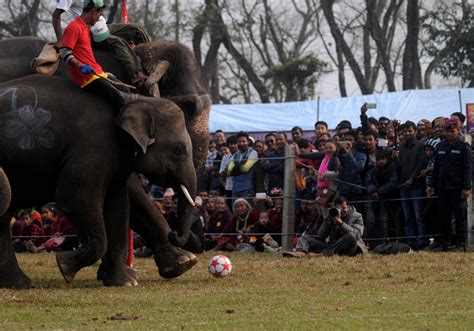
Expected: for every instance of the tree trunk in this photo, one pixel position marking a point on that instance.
(327, 6)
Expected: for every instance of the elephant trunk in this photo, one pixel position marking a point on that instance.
(5, 192)
(186, 196)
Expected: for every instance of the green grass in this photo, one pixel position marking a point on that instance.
(419, 291)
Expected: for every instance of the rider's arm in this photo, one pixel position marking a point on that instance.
(57, 23)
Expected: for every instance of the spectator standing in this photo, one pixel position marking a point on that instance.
(452, 176)
(382, 184)
(297, 133)
(270, 141)
(219, 137)
(242, 166)
(412, 186)
(352, 164)
(327, 172)
(320, 128)
(274, 165)
(430, 210)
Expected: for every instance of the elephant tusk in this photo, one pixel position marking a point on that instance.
(187, 195)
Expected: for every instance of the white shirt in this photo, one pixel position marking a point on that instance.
(229, 181)
(72, 7)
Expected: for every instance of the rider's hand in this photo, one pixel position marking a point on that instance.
(139, 78)
(86, 69)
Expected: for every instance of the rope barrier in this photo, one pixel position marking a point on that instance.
(263, 234)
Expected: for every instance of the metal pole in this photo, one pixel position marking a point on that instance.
(289, 197)
(317, 110)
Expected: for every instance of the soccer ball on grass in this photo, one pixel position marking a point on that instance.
(219, 266)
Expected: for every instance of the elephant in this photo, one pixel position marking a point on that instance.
(181, 84)
(72, 147)
(5, 192)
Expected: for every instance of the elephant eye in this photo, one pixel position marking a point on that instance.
(179, 150)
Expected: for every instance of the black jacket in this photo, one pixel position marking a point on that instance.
(452, 167)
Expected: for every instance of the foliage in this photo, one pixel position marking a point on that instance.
(451, 39)
(417, 291)
(297, 78)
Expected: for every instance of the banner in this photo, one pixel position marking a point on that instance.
(470, 117)
(124, 12)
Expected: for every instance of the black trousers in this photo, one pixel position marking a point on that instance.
(450, 204)
(346, 245)
(108, 92)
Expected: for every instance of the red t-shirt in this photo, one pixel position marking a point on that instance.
(77, 37)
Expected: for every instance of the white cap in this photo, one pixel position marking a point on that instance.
(100, 31)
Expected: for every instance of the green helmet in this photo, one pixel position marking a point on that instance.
(95, 3)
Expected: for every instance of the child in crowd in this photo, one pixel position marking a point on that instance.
(262, 240)
(50, 219)
(217, 224)
(430, 209)
(33, 232)
(275, 215)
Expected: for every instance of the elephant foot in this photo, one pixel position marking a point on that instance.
(108, 279)
(119, 279)
(11, 275)
(173, 261)
(14, 278)
(67, 265)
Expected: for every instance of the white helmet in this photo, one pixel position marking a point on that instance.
(100, 31)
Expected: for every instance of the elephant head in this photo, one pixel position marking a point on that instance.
(165, 154)
(5, 192)
(180, 81)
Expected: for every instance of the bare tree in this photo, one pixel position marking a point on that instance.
(21, 18)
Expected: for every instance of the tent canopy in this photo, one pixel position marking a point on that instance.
(405, 105)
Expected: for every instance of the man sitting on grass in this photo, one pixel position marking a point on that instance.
(340, 234)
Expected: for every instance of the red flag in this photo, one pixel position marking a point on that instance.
(124, 12)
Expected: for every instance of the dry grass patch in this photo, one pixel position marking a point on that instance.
(419, 291)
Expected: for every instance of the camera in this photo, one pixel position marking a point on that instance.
(371, 105)
(334, 212)
(343, 144)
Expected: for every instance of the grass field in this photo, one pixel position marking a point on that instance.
(418, 291)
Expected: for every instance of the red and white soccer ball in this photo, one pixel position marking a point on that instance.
(219, 266)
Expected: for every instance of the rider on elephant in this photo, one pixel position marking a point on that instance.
(119, 39)
(76, 50)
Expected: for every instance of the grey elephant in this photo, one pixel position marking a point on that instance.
(180, 83)
(5, 193)
(69, 144)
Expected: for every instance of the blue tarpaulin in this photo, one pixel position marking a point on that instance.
(405, 105)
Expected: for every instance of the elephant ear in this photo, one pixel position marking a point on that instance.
(191, 104)
(136, 118)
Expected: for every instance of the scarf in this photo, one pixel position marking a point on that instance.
(323, 168)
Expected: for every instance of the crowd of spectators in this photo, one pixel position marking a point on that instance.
(44, 230)
(388, 181)
(357, 188)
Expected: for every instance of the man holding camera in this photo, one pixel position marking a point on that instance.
(340, 234)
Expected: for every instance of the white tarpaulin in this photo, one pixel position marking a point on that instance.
(405, 105)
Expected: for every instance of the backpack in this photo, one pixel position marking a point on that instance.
(392, 248)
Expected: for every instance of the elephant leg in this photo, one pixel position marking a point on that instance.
(81, 202)
(11, 276)
(148, 222)
(114, 271)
